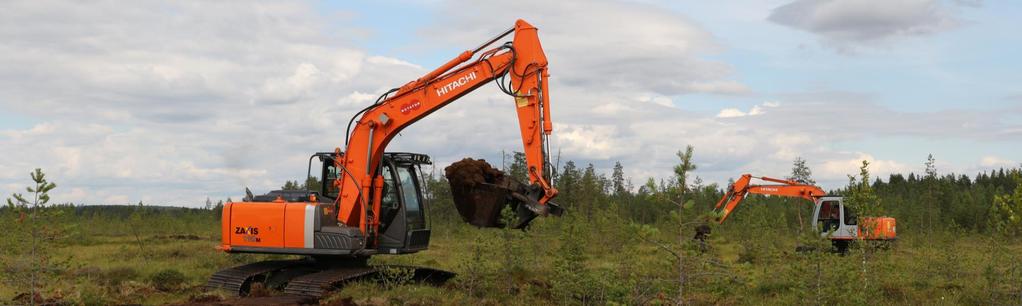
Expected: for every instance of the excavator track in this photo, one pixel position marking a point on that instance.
(310, 279)
(320, 283)
(239, 279)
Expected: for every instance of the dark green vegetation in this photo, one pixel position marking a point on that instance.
(618, 244)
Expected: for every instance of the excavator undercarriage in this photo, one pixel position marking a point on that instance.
(315, 277)
(338, 254)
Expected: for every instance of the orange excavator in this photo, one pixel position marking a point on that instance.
(371, 201)
(831, 217)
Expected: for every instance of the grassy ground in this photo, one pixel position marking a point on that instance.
(614, 267)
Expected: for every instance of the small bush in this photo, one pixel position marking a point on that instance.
(749, 253)
(117, 275)
(167, 279)
(90, 296)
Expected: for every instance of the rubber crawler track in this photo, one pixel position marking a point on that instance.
(239, 279)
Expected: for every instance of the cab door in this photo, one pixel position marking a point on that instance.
(403, 216)
(835, 220)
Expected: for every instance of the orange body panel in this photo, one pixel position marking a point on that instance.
(880, 228)
(257, 224)
(294, 225)
(275, 224)
(225, 227)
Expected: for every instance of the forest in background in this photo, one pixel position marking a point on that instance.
(618, 244)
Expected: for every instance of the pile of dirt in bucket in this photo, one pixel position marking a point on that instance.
(480, 191)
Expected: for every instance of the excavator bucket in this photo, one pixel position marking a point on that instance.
(481, 192)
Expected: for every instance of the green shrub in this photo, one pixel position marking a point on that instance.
(90, 296)
(117, 275)
(167, 279)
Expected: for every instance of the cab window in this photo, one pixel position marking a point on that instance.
(389, 197)
(829, 215)
(410, 194)
(330, 174)
(850, 218)
(390, 200)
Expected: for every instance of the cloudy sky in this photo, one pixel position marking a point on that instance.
(169, 103)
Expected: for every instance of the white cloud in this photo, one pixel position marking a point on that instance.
(175, 102)
(850, 166)
(846, 24)
(376, 59)
(756, 110)
(613, 45)
(730, 113)
(589, 141)
(658, 100)
(990, 161)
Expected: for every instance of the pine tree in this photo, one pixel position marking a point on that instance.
(568, 185)
(41, 234)
(931, 167)
(1006, 211)
(590, 188)
(863, 200)
(572, 274)
(931, 197)
(801, 173)
(681, 172)
(312, 183)
(513, 260)
(519, 167)
(291, 185)
(618, 180)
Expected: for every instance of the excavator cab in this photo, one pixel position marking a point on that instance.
(403, 221)
(305, 222)
(833, 218)
(404, 227)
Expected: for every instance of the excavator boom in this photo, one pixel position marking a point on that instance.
(743, 186)
(522, 60)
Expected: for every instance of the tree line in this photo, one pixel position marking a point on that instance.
(986, 202)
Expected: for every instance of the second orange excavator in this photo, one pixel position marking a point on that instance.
(831, 217)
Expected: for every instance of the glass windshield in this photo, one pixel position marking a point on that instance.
(410, 193)
(829, 216)
(388, 199)
(850, 218)
(330, 174)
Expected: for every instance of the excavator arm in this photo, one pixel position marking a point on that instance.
(520, 70)
(743, 186)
